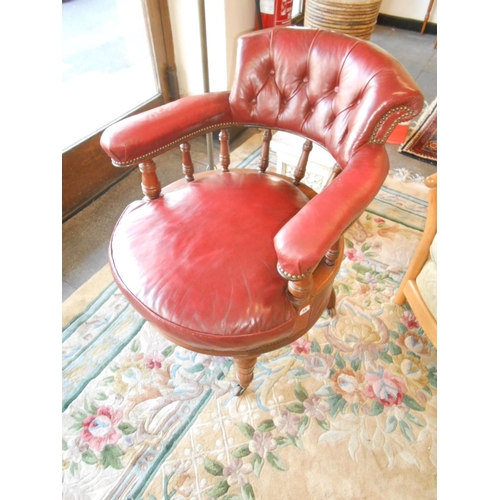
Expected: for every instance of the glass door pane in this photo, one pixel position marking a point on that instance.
(297, 8)
(107, 66)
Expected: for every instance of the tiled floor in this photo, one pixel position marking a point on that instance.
(85, 236)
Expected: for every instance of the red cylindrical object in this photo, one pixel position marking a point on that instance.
(275, 13)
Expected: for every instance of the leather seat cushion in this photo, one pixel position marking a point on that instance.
(200, 264)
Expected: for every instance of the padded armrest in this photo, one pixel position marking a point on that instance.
(304, 240)
(148, 134)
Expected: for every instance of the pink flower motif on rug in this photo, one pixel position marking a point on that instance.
(302, 346)
(99, 429)
(385, 387)
(154, 360)
(262, 443)
(354, 255)
(236, 472)
(315, 407)
(410, 321)
(288, 422)
(319, 365)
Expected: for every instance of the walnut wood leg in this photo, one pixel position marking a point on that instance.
(245, 368)
(331, 304)
(331, 259)
(300, 169)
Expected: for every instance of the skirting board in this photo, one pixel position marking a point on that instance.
(406, 24)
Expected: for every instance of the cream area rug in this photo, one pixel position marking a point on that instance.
(346, 412)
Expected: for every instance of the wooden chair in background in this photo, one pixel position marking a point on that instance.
(427, 15)
(417, 288)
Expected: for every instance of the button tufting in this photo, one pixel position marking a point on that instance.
(336, 89)
(305, 80)
(271, 72)
(254, 101)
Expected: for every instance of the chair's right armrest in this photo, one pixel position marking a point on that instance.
(304, 240)
(148, 134)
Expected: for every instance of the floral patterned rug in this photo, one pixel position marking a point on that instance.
(346, 412)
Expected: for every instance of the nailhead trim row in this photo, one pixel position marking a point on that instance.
(408, 113)
(170, 145)
(198, 132)
(289, 276)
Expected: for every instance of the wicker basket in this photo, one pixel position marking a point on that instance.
(354, 17)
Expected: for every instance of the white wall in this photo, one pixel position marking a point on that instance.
(240, 19)
(186, 37)
(410, 9)
(226, 20)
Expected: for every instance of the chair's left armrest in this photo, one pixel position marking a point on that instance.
(422, 252)
(304, 240)
(153, 132)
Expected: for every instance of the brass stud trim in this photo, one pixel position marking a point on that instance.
(289, 276)
(407, 114)
(170, 145)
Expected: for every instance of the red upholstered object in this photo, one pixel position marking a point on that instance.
(196, 262)
(241, 263)
(344, 93)
(326, 86)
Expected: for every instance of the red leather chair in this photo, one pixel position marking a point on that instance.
(241, 262)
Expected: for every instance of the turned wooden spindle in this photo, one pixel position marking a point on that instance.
(187, 163)
(224, 150)
(336, 171)
(244, 369)
(300, 169)
(300, 290)
(264, 152)
(333, 254)
(151, 186)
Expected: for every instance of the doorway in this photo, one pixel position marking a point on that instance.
(117, 58)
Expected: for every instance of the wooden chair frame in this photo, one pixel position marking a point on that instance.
(302, 291)
(408, 290)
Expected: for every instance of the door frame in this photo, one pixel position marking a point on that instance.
(87, 171)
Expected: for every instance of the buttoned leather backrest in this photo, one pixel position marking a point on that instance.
(332, 88)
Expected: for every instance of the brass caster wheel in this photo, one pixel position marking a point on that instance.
(239, 390)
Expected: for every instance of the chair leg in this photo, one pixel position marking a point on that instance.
(331, 304)
(245, 366)
(332, 258)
